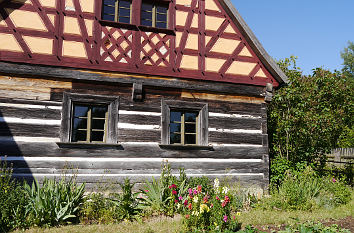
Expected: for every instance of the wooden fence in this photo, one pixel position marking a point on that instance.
(341, 156)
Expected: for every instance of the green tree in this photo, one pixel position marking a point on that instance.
(307, 117)
(348, 57)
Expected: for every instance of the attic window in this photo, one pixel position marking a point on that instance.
(154, 14)
(116, 10)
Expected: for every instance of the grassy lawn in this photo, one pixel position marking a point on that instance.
(166, 224)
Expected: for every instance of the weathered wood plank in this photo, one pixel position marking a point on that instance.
(53, 114)
(235, 138)
(51, 149)
(234, 123)
(30, 130)
(129, 135)
(140, 119)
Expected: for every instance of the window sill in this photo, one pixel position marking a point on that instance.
(185, 147)
(156, 30)
(80, 145)
(118, 25)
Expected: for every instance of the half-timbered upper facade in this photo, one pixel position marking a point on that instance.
(176, 78)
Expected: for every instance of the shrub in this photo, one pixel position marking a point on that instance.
(306, 190)
(314, 228)
(55, 202)
(13, 201)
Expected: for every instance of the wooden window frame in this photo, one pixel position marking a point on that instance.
(201, 127)
(116, 13)
(112, 103)
(154, 13)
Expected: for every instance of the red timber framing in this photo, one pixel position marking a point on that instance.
(131, 48)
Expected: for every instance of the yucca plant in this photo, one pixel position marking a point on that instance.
(55, 202)
(154, 195)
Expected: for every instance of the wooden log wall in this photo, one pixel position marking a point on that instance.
(30, 118)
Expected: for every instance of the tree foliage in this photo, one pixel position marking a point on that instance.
(311, 115)
(348, 58)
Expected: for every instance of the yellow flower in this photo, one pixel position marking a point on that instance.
(203, 208)
(238, 213)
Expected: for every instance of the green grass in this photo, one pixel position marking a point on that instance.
(171, 225)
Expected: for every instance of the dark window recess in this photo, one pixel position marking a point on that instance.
(89, 123)
(183, 127)
(116, 10)
(154, 15)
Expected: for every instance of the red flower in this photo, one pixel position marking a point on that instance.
(185, 203)
(187, 216)
(199, 188)
(170, 186)
(174, 186)
(211, 205)
(174, 192)
(205, 199)
(217, 198)
(190, 206)
(176, 201)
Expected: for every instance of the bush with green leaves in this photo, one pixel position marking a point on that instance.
(311, 227)
(306, 190)
(308, 117)
(54, 202)
(13, 201)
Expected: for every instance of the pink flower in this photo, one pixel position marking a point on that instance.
(146, 190)
(217, 198)
(180, 198)
(211, 205)
(195, 192)
(176, 201)
(334, 180)
(234, 217)
(187, 216)
(225, 218)
(174, 186)
(190, 191)
(174, 192)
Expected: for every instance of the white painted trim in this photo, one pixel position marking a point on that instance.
(170, 160)
(234, 145)
(26, 106)
(235, 131)
(29, 121)
(137, 175)
(27, 139)
(223, 115)
(125, 112)
(135, 126)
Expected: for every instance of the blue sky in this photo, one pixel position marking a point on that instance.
(315, 31)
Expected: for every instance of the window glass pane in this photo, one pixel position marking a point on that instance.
(79, 124)
(146, 7)
(160, 17)
(175, 138)
(108, 17)
(124, 20)
(108, 2)
(97, 136)
(79, 135)
(99, 111)
(190, 128)
(98, 124)
(146, 23)
(175, 127)
(190, 139)
(146, 15)
(124, 12)
(161, 25)
(80, 111)
(125, 4)
(161, 9)
(108, 10)
(175, 116)
(190, 116)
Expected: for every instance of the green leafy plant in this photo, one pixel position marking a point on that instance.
(310, 227)
(13, 201)
(55, 202)
(127, 202)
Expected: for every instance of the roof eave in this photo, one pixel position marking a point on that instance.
(257, 47)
